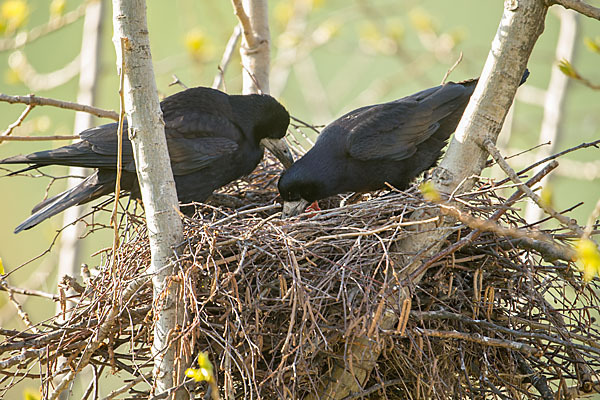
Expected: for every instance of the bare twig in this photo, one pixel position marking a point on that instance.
(27, 292)
(245, 23)
(535, 239)
(113, 219)
(452, 68)
(103, 330)
(580, 6)
(44, 101)
(36, 138)
(489, 341)
(23, 38)
(218, 82)
(495, 153)
(18, 122)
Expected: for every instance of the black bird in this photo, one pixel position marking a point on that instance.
(213, 139)
(391, 142)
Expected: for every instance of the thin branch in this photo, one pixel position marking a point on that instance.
(22, 313)
(23, 38)
(452, 68)
(125, 388)
(227, 54)
(580, 6)
(497, 214)
(495, 153)
(592, 221)
(103, 331)
(36, 81)
(245, 23)
(27, 292)
(114, 218)
(18, 122)
(44, 101)
(36, 138)
(484, 340)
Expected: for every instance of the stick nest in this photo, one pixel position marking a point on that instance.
(280, 304)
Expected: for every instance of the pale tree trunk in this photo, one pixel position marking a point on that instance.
(69, 251)
(157, 186)
(256, 59)
(69, 254)
(555, 98)
(256, 48)
(520, 26)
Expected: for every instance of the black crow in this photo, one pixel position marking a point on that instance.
(213, 139)
(391, 142)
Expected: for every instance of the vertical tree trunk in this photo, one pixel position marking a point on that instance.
(256, 56)
(519, 29)
(555, 97)
(69, 251)
(69, 246)
(146, 132)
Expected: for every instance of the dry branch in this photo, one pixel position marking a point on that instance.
(32, 100)
(580, 6)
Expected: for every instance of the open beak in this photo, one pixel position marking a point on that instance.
(280, 149)
(293, 208)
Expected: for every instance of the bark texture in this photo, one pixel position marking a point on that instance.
(146, 132)
(256, 47)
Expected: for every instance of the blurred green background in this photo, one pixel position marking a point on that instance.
(328, 57)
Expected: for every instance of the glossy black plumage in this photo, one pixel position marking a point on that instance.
(213, 139)
(391, 142)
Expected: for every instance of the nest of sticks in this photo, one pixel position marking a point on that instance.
(278, 305)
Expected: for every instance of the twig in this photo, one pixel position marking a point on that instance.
(374, 388)
(18, 122)
(495, 153)
(589, 227)
(227, 54)
(37, 81)
(54, 24)
(483, 340)
(113, 218)
(103, 330)
(36, 138)
(536, 240)
(245, 23)
(22, 313)
(580, 6)
(24, 356)
(27, 292)
(452, 68)
(44, 101)
(125, 388)
(595, 144)
(497, 214)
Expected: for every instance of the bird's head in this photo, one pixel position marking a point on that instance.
(298, 192)
(271, 121)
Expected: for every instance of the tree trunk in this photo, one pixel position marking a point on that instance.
(157, 186)
(555, 98)
(69, 254)
(255, 52)
(520, 26)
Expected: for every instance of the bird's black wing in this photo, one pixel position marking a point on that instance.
(393, 130)
(103, 143)
(196, 139)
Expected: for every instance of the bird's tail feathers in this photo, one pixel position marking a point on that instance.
(82, 193)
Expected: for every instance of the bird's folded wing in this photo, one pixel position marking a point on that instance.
(393, 130)
(197, 139)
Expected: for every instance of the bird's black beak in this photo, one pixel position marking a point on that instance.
(293, 208)
(280, 149)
